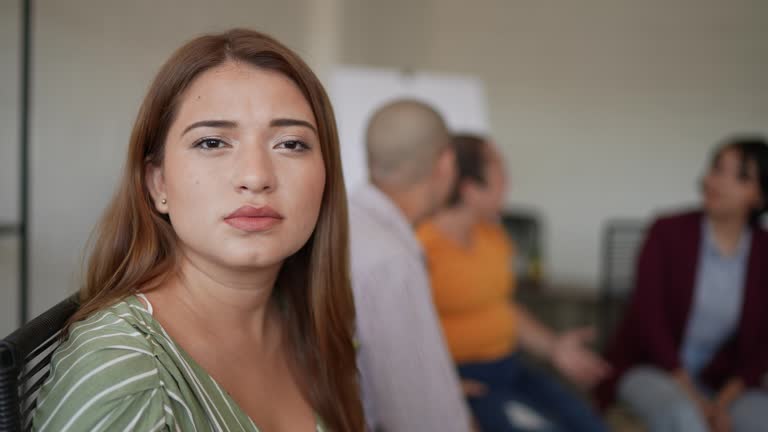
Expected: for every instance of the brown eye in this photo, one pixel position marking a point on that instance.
(210, 144)
(293, 145)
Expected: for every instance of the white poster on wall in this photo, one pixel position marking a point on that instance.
(356, 92)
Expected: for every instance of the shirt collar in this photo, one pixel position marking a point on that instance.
(380, 207)
(710, 247)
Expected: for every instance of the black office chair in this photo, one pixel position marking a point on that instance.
(25, 357)
(622, 240)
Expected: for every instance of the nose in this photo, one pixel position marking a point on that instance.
(253, 170)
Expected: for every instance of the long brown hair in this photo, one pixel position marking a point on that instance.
(134, 245)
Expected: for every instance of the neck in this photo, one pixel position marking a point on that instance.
(457, 222)
(413, 201)
(727, 231)
(228, 302)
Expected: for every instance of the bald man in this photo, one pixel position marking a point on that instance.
(408, 380)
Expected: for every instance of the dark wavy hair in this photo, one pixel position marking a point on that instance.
(752, 148)
(471, 163)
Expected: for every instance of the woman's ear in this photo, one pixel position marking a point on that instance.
(155, 179)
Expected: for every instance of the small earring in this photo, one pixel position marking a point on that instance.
(164, 201)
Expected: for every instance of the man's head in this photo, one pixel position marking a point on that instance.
(409, 153)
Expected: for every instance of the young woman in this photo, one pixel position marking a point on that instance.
(217, 294)
(469, 257)
(690, 355)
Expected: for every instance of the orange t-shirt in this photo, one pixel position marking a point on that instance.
(472, 288)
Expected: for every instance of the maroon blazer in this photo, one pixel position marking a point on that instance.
(654, 325)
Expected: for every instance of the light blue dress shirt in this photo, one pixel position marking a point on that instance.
(717, 300)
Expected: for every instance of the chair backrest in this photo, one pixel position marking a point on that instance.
(622, 240)
(25, 357)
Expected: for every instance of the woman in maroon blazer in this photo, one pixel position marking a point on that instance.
(692, 352)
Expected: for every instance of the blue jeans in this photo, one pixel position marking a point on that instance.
(658, 400)
(511, 383)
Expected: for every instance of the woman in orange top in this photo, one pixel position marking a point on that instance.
(469, 258)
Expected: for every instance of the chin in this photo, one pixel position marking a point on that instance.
(710, 206)
(259, 256)
(719, 212)
(251, 262)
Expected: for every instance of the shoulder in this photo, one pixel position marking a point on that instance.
(679, 218)
(372, 217)
(760, 235)
(365, 230)
(387, 273)
(105, 369)
(429, 236)
(677, 223)
(394, 267)
(120, 325)
(495, 232)
(375, 245)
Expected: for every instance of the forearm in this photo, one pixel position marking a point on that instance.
(534, 336)
(684, 380)
(730, 392)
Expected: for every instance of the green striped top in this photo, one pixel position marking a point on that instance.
(120, 371)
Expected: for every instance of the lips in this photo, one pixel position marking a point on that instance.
(253, 219)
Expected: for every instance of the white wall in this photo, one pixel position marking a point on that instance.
(604, 108)
(357, 92)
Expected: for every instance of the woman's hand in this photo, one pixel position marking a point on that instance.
(707, 408)
(473, 388)
(568, 351)
(719, 418)
(573, 358)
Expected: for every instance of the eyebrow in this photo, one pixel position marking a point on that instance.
(282, 122)
(229, 124)
(225, 124)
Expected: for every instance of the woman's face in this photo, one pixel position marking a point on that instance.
(726, 191)
(242, 177)
(487, 200)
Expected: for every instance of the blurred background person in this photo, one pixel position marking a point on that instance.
(408, 380)
(469, 258)
(690, 354)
